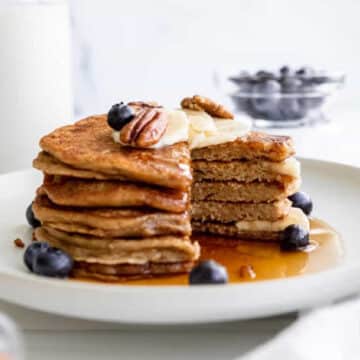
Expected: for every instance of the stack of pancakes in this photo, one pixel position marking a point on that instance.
(241, 188)
(117, 211)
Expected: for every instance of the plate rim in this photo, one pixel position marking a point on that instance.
(334, 275)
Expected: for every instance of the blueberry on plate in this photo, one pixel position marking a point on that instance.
(53, 263)
(32, 251)
(30, 217)
(294, 237)
(119, 115)
(208, 272)
(302, 201)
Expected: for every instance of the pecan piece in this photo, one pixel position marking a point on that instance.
(146, 129)
(203, 103)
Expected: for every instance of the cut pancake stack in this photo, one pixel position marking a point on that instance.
(241, 188)
(119, 212)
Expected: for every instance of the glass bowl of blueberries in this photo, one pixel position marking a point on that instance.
(284, 98)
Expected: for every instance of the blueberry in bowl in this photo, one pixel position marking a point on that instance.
(284, 98)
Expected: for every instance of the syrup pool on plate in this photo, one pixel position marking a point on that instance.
(253, 261)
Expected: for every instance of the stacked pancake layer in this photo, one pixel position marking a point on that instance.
(241, 188)
(117, 211)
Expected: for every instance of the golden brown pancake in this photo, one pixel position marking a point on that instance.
(50, 165)
(118, 272)
(160, 249)
(92, 193)
(88, 145)
(110, 222)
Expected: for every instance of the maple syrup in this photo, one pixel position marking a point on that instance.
(253, 261)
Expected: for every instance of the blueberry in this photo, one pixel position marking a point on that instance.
(53, 263)
(291, 109)
(265, 75)
(269, 102)
(265, 105)
(302, 201)
(33, 251)
(311, 99)
(30, 217)
(285, 70)
(294, 237)
(119, 115)
(268, 86)
(290, 85)
(208, 272)
(305, 71)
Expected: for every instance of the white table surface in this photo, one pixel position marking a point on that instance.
(53, 337)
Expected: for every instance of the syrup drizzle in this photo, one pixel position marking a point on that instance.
(253, 261)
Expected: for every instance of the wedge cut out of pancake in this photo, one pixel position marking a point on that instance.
(88, 145)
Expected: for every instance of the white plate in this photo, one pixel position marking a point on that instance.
(335, 190)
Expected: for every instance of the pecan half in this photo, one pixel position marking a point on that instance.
(146, 129)
(203, 103)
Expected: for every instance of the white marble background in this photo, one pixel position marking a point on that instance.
(164, 49)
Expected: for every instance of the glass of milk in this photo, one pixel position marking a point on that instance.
(35, 77)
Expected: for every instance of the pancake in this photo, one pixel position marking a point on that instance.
(160, 249)
(50, 165)
(227, 212)
(254, 145)
(233, 191)
(95, 193)
(258, 230)
(88, 145)
(110, 222)
(247, 171)
(118, 272)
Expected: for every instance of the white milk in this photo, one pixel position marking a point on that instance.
(35, 86)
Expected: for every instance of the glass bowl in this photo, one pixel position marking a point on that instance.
(283, 99)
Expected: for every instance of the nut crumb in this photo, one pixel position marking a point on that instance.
(247, 272)
(19, 243)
